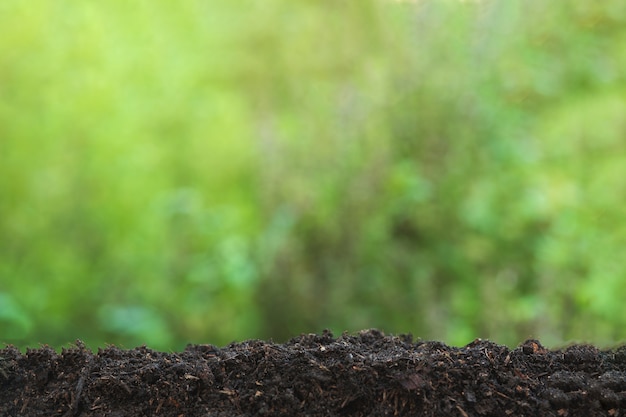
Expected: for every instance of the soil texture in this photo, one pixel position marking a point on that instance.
(367, 374)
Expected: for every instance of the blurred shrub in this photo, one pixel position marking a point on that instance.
(205, 172)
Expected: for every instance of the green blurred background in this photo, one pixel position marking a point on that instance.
(210, 171)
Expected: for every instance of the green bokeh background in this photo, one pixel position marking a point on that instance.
(192, 171)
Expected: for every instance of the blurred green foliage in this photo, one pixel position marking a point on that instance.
(209, 171)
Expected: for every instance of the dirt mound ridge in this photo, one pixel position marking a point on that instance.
(368, 374)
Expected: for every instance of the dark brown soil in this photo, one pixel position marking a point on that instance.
(369, 374)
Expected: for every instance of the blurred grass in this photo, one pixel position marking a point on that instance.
(209, 171)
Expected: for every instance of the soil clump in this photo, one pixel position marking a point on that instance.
(367, 374)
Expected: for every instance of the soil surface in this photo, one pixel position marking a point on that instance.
(368, 374)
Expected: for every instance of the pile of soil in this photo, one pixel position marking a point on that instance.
(368, 374)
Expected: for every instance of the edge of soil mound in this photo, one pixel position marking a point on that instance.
(368, 374)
